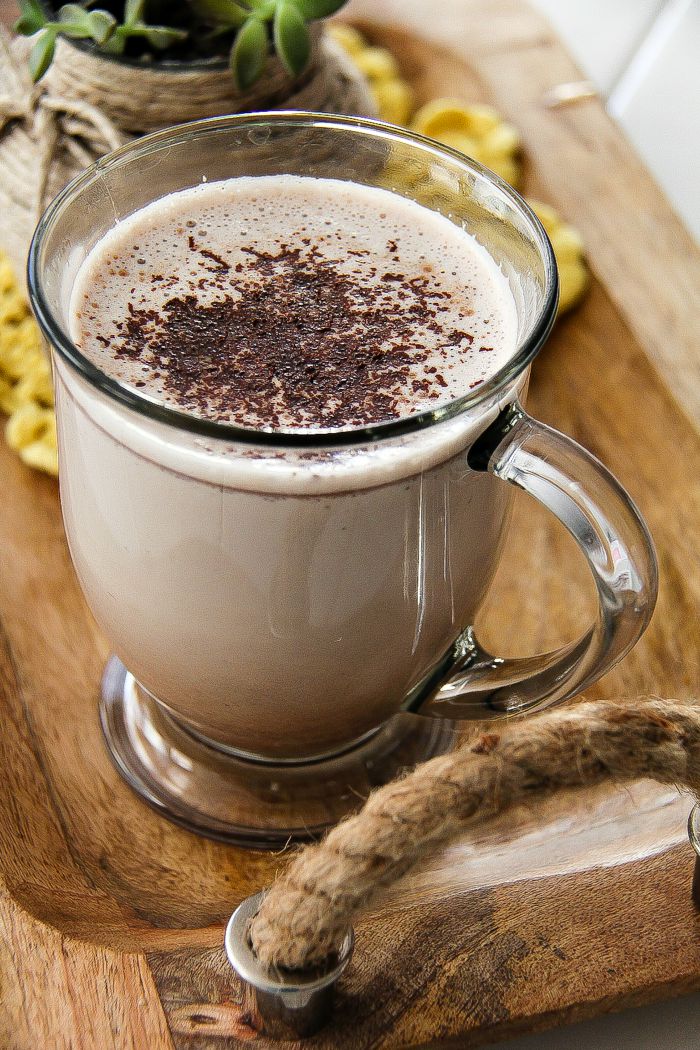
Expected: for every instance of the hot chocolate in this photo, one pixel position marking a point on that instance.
(276, 580)
(283, 601)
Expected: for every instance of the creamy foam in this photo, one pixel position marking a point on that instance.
(289, 302)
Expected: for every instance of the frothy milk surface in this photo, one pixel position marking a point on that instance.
(286, 302)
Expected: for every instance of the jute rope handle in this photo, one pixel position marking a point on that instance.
(306, 913)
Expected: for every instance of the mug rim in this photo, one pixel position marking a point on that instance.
(319, 437)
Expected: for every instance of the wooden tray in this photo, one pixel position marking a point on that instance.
(113, 918)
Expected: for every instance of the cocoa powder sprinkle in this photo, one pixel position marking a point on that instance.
(290, 337)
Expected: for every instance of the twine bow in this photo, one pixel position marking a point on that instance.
(53, 121)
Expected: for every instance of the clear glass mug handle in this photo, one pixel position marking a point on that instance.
(593, 506)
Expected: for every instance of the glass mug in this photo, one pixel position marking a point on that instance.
(278, 597)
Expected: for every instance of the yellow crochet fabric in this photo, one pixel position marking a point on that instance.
(26, 395)
(393, 95)
(477, 130)
(568, 251)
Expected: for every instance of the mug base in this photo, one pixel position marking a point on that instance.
(245, 801)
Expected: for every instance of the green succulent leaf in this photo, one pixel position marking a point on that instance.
(291, 37)
(214, 33)
(264, 9)
(73, 21)
(117, 41)
(133, 11)
(249, 53)
(42, 53)
(161, 37)
(72, 13)
(220, 12)
(311, 9)
(102, 25)
(76, 22)
(31, 18)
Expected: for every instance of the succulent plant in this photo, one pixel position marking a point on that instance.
(244, 30)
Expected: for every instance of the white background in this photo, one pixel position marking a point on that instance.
(644, 57)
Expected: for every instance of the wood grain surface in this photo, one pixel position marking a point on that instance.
(112, 919)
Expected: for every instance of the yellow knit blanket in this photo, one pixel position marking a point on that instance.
(26, 395)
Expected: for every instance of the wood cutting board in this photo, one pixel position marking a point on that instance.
(112, 919)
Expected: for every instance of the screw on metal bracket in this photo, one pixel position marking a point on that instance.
(694, 836)
(288, 1004)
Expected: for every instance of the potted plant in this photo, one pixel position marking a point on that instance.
(245, 37)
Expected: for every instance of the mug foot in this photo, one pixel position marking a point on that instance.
(248, 802)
